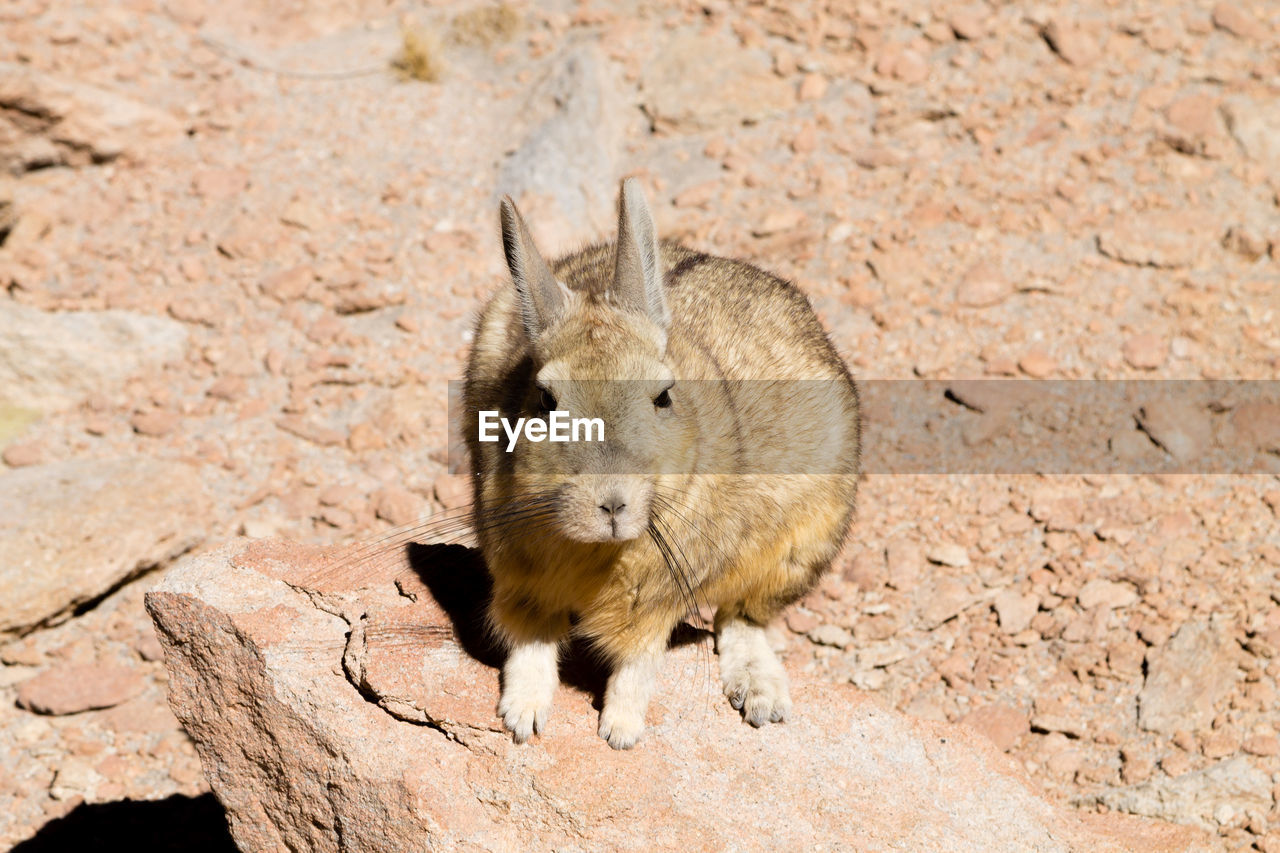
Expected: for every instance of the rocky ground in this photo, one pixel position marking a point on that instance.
(242, 253)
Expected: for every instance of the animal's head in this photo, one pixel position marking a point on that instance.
(598, 347)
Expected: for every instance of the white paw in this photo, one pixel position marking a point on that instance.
(761, 695)
(753, 678)
(529, 679)
(524, 716)
(621, 727)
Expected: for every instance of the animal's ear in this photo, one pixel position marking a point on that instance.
(542, 298)
(637, 271)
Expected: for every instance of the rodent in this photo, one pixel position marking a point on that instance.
(615, 541)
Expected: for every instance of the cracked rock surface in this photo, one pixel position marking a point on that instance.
(334, 719)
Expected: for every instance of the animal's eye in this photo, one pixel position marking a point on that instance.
(548, 401)
(663, 400)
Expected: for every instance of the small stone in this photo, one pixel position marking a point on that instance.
(1104, 593)
(831, 635)
(1175, 764)
(1264, 745)
(802, 621)
(1244, 243)
(982, 286)
(397, 505)
(220, 184)
(1220, 744)
(1237, 21)
(452, 491)
(967, 25)
(941, 601)
(155, 423)
(22, 455)
(148, 646)
(812, 87)
(779, 220)
(1164, 239)
(904, 563)
(1037, 364)
(1015, 611)
(1068, 724)
(1146, 351)
(949, 554)
(1003, 724)
(365, 436)
(288, 285)
(1178, 425)
(73, 688)
(1186, 677)
(911, 67)
(867, 571)
(1075, 46)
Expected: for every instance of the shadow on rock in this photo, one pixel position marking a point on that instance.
(460, 583)
(187, 824)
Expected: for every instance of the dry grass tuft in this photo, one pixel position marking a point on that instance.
(421, 55)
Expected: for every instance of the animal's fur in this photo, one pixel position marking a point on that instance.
(745, 543)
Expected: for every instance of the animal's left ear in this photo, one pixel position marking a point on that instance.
(637, 271)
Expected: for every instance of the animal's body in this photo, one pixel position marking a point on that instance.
(727, 476)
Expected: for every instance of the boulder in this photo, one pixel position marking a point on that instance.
(52, 360)
(72, 531)
(336, 707)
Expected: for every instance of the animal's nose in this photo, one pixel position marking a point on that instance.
(612, 506)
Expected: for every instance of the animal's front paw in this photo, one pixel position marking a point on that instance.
(523, 715)
(621, 727)
(760, 693)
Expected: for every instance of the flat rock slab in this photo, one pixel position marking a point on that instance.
(74, 688)
(298, 691)
(72, 531)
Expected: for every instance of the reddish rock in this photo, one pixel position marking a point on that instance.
(1238, 21)
(22, 455)
(397, 505)
(155, 422)
(1146, 351)
(1075, 45)
(982, 286)
(1003, 724)
(73, 688)
(410, 713)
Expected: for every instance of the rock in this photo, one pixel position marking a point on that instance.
(968, 25)
(904, 562)
(71, 531)
(46, 120)
(1255, 126)
(982, 286)
(1196, 125)
(949, 554)
(1244, 242)
(565, 169)
(1178, 425)
(683, 93)
(1153, 238)
(453, 491)
(1197, 798)
(942, 600)
(1003, 724)
(1015, 611)
(1186, 677)
(72, 688)
(303, 737)
(22, 455)
(1257, 425)
(831, 635)
(155, 422)
(1231, 18)
(1145, 351)
(1037, 363)
(397, 505)
(54, 360)
(1073, 44)
(1104, 593)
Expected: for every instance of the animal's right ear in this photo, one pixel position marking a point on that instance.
(542, 298)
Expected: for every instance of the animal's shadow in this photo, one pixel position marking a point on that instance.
(460, 582)
(178, 823)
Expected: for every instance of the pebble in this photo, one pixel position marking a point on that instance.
(72, 688)
(949, 554)
(1145, 351)
(1075, 46)
(1104, 593)
(982, 286)
(155, 422)
(452, 490)
(1015, 611)
(1037, 363)
(397, 505)
(831, 635)
(24, 454)
(1002, 723)
(1231, 18)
